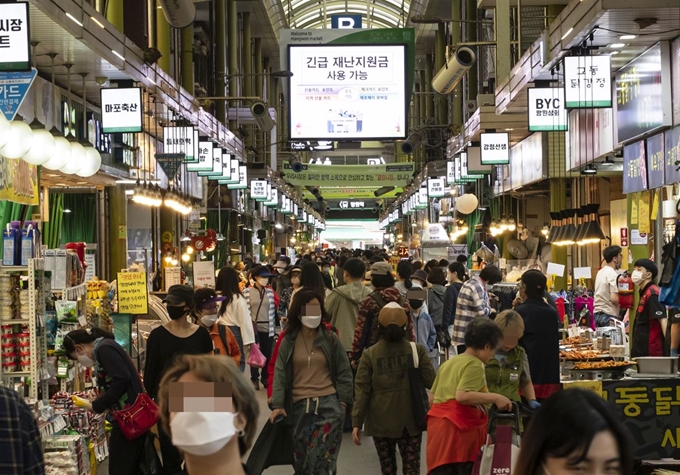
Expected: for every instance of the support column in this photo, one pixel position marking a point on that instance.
(421, 101)
(163, 41)
(503, 38)
(439, 61)
(558, 202)
(188, 59)
(472, 78)
(221, 58)
(427, 90)
(232, 55)
(247, 52)
(456, 37)
(115, 14)
(117, 230)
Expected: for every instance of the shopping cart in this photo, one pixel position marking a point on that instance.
(500, 453)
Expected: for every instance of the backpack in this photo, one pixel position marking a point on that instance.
(368, 324)
(222, 330)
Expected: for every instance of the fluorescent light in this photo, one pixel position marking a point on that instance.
(66, 210)
(118, 54)
(627, 37)
(567, 33)
(151, 80)
(99, 23)
(616, 45)
(74, 19)
(614, 52)
(129, 192)
(509, 130)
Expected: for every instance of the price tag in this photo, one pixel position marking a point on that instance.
(82, 320)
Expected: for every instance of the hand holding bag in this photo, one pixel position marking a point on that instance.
(137, 419)
(419, 399)
(256, 359)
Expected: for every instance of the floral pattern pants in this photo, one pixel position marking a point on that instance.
(409, 448)
(317, 435)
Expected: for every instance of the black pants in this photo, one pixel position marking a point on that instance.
(265, 342)
(125, 455)
(172, 459)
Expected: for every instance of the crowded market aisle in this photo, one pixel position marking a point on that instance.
(353, 459)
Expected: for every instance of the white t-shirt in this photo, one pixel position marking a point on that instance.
(237, 314)
(605, 286)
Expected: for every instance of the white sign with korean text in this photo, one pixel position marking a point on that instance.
(495, 148)
(204, 274)
(587, 81)
(450, 172)
(205, 158)
(179, 140)
(546, 110)
(347, 91)
(121, 110)
(242, 177)
(15, 52)
(435, 187)
(258, 190)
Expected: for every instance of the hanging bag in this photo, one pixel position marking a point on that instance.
(419, 400)
(499, 456)
(256, 358)
(137, 419)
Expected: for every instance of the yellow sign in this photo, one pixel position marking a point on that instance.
(634, 215)
(595, 386)
(122, 232)
(19, 182)
(336, 193)
(643, 213)
(655, 204)
(133, 293)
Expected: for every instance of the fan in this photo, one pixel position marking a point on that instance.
(517, 249)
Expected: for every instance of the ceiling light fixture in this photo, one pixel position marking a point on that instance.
(99, 23)
(567, 33)
(118, 54)
(627, 37)
(72, 18)
(617, 45)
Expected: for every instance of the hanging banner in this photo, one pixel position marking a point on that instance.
(643, 213)
(672, 152)
(133, 293)
(15, 37)
(546, 109)
(634, 168)
(19, 182)
(643, 87)
(655, 161)
(495, 148)
(350, 175)
(204, 274)
(587, 81)
(13, 90)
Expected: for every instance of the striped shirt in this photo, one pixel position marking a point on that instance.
(473, 302)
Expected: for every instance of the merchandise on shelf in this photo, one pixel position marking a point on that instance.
(66, 455)
(11, 244)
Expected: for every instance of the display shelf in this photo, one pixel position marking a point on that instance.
(51, 427)
(16, 374)
(8, 269)
(72, 293)
(23, 321)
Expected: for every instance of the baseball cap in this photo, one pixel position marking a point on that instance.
(180, 293)
(261, 271)
(393, 314)
(280, 265)
(206, 296)
(381, 268)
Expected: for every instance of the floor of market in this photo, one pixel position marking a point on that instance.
(353, 459)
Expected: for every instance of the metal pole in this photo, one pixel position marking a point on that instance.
(439, 62)
(503, 40)
(221, 56)
(456, 38)
(232, 29)
(471, 78)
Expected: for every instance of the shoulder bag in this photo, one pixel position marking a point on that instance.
(419, 400)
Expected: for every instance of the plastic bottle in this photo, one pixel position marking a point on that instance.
(27, 243)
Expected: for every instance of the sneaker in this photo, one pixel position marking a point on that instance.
(265, 384)
(256, 385)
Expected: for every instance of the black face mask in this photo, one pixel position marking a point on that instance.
(415, 304)
(176, 312)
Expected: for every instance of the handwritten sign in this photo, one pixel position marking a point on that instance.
(173, 276)
(133, 293)
(204, 275)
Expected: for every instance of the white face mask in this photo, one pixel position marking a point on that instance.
(280, 270)
(85, 360)
(202, 433)
(209, 320)
(637, 277)
(263, 281)
(311, 322)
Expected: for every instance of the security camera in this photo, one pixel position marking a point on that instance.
(328, 208)
(296, 164)
(101, 80)
(408, 145)
(453, 71)
(261, 115)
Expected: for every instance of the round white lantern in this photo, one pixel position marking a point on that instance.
(43, 146)
(61, 154)
(77, 159)
(20, 140)
(467, 203)
(4, 130)
(92, 162)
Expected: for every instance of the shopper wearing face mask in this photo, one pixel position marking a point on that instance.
(312, 386)
(287, 294)
(650, 320)
(262, 304)
(206, 304)
(119, 386)
(165, 343)
(213, 440)
(606, 304)
(426, 333)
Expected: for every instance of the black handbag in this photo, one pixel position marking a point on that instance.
(273, 447)
(443, 338)
(419, 400)
(150, 463)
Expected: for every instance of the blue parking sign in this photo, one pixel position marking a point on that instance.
(13, 89)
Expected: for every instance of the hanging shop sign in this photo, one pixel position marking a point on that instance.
(350, 175)
(204, 274)
(96, 136)
(274, 199)
(347, 91)
(450, 172)
(587, 81)
(19, 182)
(655, 161)
(643, 87)
(15, 37)
(133, 294)
(258, 190)
(216, 170)
(124, 150)
(205, 157)
(13, 89)
(495, 148)
(179, 140)
(242, 181)
(435, 187)
(121, 110)
(435, 234)
(634, 168)
(234, 176)
(546, 109)
(672, 149)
